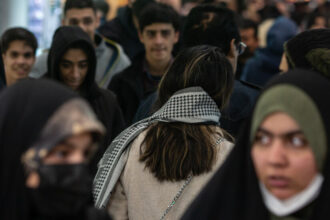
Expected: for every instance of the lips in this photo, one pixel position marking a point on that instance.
(158, 49)
(277, 182)
(22, 73)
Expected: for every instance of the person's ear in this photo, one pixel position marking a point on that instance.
(176, 37)
(33, 180)
(232, 51)
(97, 21)
(140, 36)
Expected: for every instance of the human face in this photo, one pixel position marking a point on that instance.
(282, 157)
(248, 37)
(18, 61)
(158, 40)
(284, 67)
(74, 68)
(320, 22)
(73, 150)
(85, 18)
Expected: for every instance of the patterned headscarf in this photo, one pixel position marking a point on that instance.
(72, 118)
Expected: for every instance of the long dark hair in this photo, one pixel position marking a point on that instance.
(174, 150)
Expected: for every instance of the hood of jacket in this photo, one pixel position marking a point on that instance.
(64, 38)
(282, 30)
(2, 73)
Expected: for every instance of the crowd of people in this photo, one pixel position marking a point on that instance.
(195, 109)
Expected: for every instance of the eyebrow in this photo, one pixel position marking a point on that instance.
(290, 133)
(77, 19)
(69, 61)
(72, 146)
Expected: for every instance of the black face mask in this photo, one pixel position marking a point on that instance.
(64, 190)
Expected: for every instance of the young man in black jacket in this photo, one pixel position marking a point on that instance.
(159, 26)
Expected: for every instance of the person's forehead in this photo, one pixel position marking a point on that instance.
(19, 45)
(249, 30)
(79, 13)
(159, 27)
(74, 54)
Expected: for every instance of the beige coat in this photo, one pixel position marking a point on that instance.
(139, 195)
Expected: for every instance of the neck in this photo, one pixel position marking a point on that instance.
(291, 205)
(158, 68)
(9, 80)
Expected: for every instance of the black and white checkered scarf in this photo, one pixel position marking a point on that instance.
(190, 105)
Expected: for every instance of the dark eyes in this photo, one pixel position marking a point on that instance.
(83, 65)
(294, 140)
(60, 153)
(164, 33)
(25, 55)
(85, 21)
(67, 65)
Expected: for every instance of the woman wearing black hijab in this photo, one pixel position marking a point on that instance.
(243, 189)
(72, 62)
(43, 173)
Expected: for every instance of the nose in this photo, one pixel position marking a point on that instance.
(277, 156)
(20, 59)
(75, 72)
(77, 157)
(158, 38)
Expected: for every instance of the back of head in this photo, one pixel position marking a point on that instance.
(102, 6)
(159, 13)
(78, 4)
(212, 25)
(18, 34)
(310, 50)
(282, 30)
(18, 130)
(139, 5)
(188, 148)
(204, 66)
(71, 37)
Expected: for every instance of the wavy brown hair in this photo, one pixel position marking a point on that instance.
(172, 151)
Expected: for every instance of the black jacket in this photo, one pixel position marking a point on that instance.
(233, 193)
(129, 87)
(102, 101)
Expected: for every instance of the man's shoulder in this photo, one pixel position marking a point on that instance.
(40, 66)
(248, 89)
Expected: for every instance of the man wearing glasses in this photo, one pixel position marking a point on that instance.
(216, 26)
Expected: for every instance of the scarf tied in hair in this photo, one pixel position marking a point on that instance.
(191, 105)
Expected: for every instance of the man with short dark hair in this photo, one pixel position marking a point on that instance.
(249, 33)
(18, 47)
(111, 58)
(159, 26)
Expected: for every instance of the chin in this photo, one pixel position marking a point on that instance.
(282, 194)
